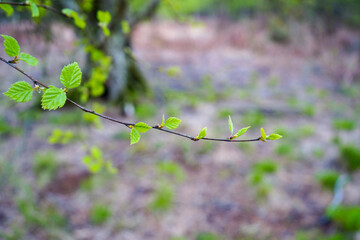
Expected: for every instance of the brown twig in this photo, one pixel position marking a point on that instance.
(129, 125)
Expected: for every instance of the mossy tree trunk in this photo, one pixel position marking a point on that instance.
(126, 80)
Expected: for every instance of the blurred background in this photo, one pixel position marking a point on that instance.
(289, 66)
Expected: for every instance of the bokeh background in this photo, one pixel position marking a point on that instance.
(289, 66)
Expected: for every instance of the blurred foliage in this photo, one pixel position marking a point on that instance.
(347, 217)
(253, 118)
(67, 118)
(172, 170)
(350, 156)
(163, 198)
(258, 177)
(44, 215)
(99, 214)
(327, 179)
(208, 236)
(329, 12)
(45, 166)
(61, 137)
(279, 30)
(96, 163)
(344, 124)
(146, 110)
(266, 166)
(320, 236)
(170, 174)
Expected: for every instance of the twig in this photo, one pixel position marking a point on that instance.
(39, 5)
(129, 125)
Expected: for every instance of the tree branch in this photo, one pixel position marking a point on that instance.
(39, 5)
(129, 125)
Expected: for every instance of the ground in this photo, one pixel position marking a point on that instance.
(201, 74)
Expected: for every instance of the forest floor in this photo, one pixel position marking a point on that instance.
(172, 188)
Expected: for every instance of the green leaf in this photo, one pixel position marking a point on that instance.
(34, 8)
(142, 127)
(241, 132)
(71, 75)
(94, 161)
(20, 92)
(202, 133)
(67, 11)
(28, 59)
(53, 98)
(172, 123)
(7, 8)
(134, 136)
(110, 168)
(106, 30)
(273, 137)
(103, 17)
(263, 135)
(125, 27)
(231, 126)
(79, 21)
(12, 47)
(163, 121)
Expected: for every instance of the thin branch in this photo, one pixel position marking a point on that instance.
(129, 125)
(39, 5)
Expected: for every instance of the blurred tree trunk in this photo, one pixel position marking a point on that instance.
(125, 80)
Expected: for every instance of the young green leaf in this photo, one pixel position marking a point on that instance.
(71, 75)
(53, 98)
(231, 126)
(7, 8)
(125, 27)
(142, 127)
(163, 121)
(202, 133)
(103, 17)
(67, 11)
(12, 47)
(20, 92)
(273, 137)
(79, 21)
(110, 168)
(94, 161)
(172, 123)
(134, 136)
(263, 135)
(28, 59)
(106, 30)
(34, 8)
(241, 132)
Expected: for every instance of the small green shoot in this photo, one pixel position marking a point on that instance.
(201, 134)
